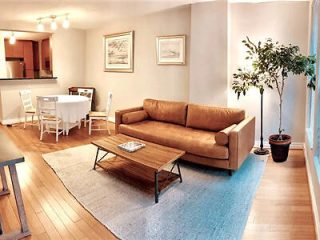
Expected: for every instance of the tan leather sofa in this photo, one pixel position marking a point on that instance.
(213, 136)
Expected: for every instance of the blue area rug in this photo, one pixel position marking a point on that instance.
(207, 205)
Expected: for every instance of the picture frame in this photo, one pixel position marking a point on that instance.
(171, 50)
(118, 52)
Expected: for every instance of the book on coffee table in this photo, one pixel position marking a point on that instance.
(131, 146)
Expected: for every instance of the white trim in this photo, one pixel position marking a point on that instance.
(112, 119)
(16, 120)
(312, 194)
(294, 145)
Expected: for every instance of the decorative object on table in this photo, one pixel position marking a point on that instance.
(272, 63)
(28, 108)
(49, 121)
(205, 202)
(10, 156)
(118, 54)
(171, 50)
(104, 116)
(131, 146)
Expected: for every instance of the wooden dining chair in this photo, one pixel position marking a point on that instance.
(89, 94)
(101, 117)
(29, 110)
(49, 121)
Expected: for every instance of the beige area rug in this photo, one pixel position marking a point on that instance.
(207, 205)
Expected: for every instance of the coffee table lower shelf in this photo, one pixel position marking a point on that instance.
(142, 177)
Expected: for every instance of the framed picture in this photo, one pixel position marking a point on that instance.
(171, 50)
(118, 54)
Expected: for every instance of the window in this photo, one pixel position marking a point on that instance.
(311, 93)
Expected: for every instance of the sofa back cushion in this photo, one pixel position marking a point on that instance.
(166, 111)
(213, 118)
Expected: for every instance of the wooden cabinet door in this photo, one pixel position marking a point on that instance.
(45, 55)
(8, 49)
(28, 54)
(18, 49)
(29, 73)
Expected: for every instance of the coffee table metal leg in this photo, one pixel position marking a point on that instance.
(5, 189)
(180, 176)
(95, 161)
(18, 196)
(98, 160)
(156, 187)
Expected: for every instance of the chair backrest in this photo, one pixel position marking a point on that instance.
(86, 92)
(108, 105)
(26, 99)
(47, 106)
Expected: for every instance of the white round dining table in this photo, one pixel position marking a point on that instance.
(71, 109)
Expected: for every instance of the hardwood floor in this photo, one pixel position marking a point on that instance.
(281, 209)
(282, 205)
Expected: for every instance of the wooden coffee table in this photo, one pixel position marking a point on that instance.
(153, 156)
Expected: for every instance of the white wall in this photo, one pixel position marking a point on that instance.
(286, 22)
(208, 53)
(148, 80)
(68, 48)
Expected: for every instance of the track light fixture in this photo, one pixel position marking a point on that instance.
(12, 39)
(66, 23)
(53, 22)
(40, 26)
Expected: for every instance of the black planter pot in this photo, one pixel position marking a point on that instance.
(279, 148)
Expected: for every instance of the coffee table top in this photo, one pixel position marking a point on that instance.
(152, 155)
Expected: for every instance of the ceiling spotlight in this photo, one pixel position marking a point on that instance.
(40, 26)
(12, 39)
(54, 25)
(66, 22)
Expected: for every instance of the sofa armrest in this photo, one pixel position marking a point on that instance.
(241, 142)
(119, 113)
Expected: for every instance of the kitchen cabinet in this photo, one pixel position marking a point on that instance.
(29, 73)
(18, 49)
(35, 48)
(28, 55)
(8, 49)
(45, 55)
(13, 50)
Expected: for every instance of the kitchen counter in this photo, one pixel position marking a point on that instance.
(41, 78)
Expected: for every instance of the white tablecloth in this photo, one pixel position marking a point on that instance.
(72, 108)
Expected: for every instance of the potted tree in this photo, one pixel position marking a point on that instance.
(272, 63)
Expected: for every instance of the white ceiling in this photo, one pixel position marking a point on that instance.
(85, 14)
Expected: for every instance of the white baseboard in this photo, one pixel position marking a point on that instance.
(294, 145)
(313, 196)
(16, 120)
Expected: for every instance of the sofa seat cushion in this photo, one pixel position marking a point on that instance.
(193, 141)
(166, 111)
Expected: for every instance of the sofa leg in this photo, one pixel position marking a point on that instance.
(230, 172)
